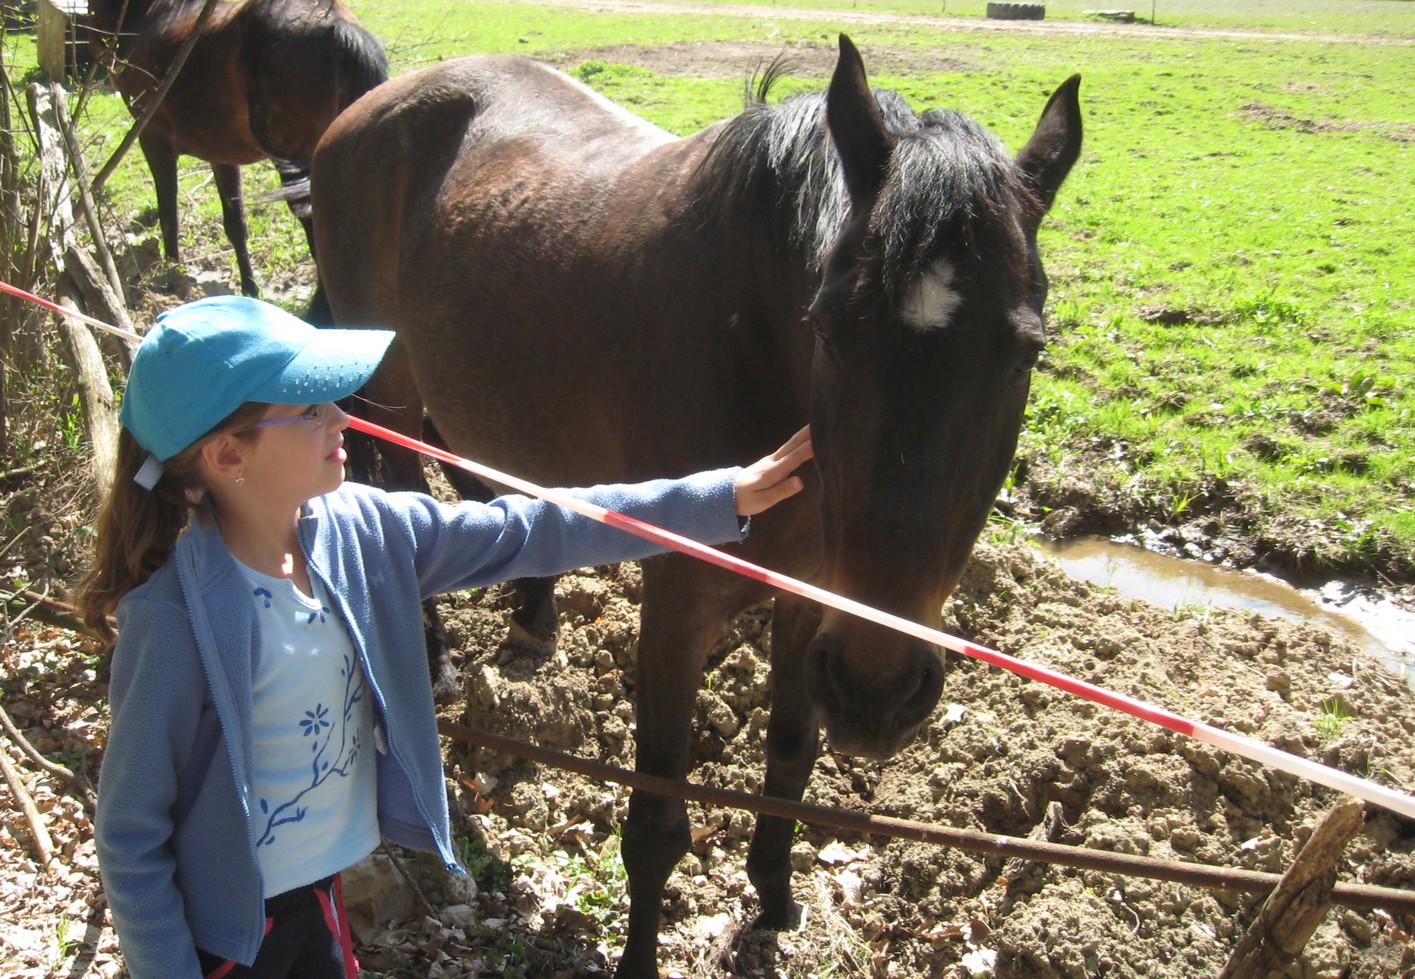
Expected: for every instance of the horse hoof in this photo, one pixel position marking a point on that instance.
(529, 641)
(791, 918)
(446, 683)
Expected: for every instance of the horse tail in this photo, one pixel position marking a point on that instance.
(294, 187)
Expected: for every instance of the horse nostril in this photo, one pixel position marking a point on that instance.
(906, 700)
(927, 690)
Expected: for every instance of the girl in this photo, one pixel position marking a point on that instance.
(272, 714)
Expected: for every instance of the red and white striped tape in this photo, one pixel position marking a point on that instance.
(1249, 748)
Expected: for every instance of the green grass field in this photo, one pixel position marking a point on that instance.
(1232, 261)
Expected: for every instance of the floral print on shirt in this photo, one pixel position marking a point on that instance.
(335, 746)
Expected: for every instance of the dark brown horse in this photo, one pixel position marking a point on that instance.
(264, 81)
(581, 297)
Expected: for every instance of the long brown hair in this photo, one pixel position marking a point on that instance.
(137, 529)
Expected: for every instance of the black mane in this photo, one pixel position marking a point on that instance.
(949, 180)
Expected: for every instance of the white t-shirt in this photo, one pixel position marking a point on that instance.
(315, 784)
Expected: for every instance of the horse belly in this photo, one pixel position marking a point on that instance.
(537, 388)
(233, 147)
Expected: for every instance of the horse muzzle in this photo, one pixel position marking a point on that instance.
(872, 696)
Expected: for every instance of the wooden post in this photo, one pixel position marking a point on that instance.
(1299, 902)
(102, 303)
(51, 35)
(91, 374)
(12, 227)
(90, 208)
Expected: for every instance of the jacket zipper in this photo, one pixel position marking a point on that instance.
(339, 601)
(190, 581)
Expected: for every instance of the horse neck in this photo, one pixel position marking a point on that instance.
(763, 279)
(772, 167)
(108, 13)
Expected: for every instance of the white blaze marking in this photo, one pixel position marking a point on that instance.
(931, 300)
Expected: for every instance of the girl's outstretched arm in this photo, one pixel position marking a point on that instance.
(768, 481)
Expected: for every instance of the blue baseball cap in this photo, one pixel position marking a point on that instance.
(202, 361)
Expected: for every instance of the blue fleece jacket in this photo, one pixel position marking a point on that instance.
(176, 841)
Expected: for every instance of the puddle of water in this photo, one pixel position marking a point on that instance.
(1382, 629)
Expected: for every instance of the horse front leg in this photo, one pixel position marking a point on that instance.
(677, 629)
(535, 620)
(162, 164)
(391, 399)
(233, 219)
(793, 742)
(656, 837)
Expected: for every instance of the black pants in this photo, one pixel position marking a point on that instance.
(306, 937)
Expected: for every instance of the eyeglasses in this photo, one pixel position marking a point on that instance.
(314, 413)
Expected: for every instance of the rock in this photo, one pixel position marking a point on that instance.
(376, 895)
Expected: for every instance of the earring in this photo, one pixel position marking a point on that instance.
(240, 479)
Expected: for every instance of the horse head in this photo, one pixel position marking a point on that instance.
(928, 323)
(117, 20)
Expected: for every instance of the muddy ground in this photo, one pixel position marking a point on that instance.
(999, 753)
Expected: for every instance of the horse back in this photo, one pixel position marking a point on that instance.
(523, 235)
(489, 98)
(447, 151)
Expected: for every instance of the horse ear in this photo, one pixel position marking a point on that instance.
(857, 127)
(1049, 154)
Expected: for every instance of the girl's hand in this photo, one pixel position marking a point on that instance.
(768, 481)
